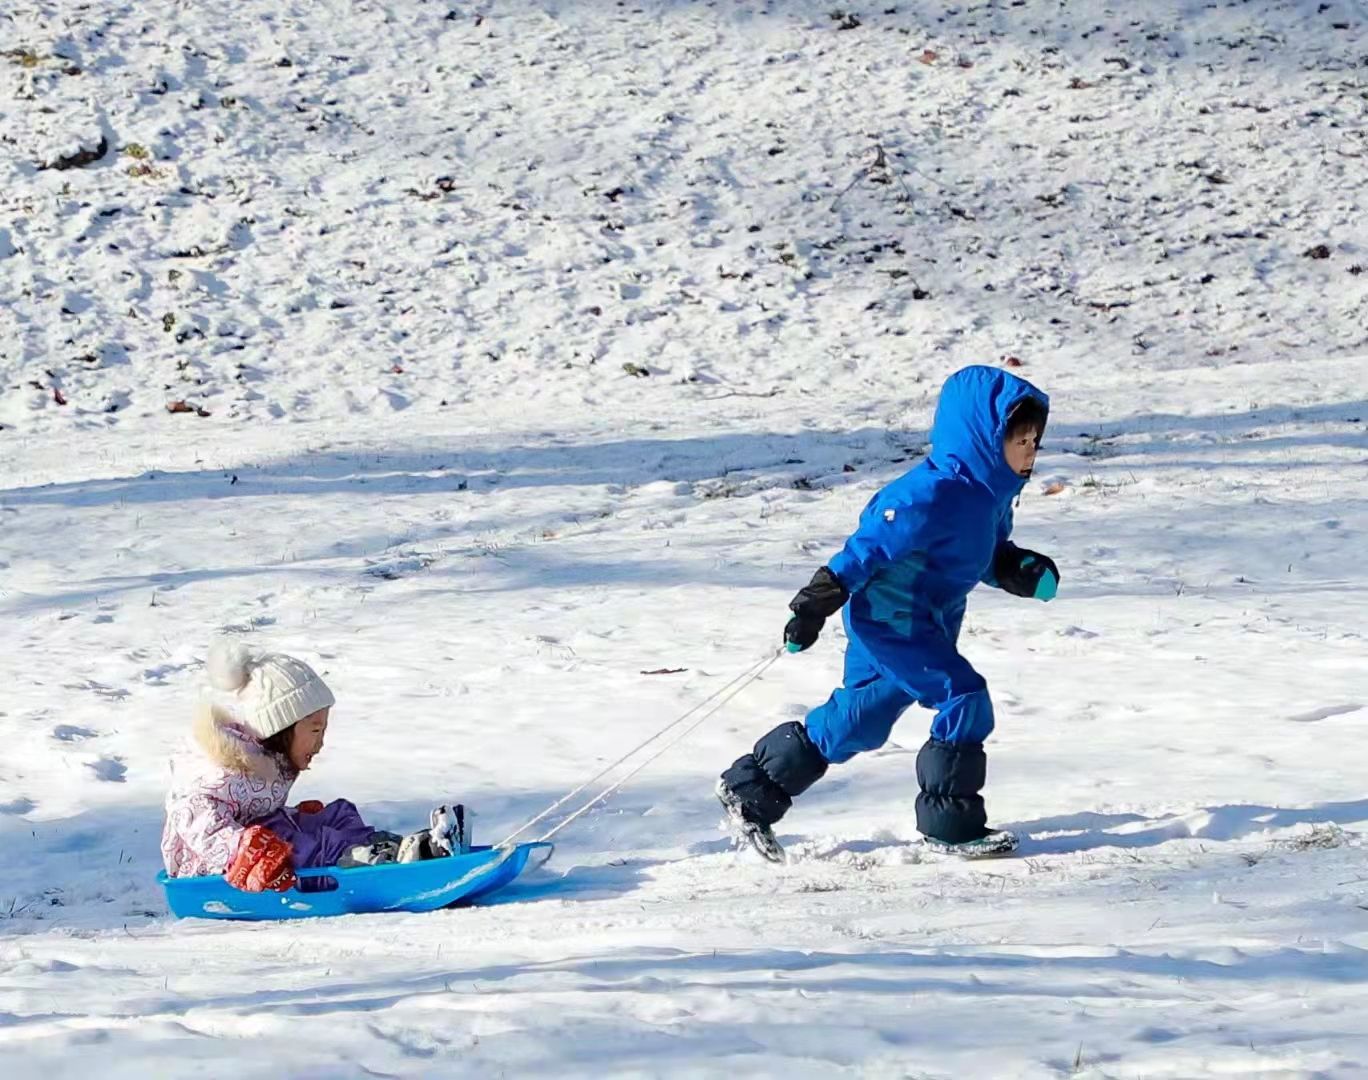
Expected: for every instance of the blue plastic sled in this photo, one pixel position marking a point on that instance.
(420, 886)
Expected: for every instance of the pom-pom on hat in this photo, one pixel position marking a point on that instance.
(265, 692)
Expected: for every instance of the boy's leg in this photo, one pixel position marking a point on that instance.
(764, 783)
(949, 806)
(952, 767)
(858, 717)
(794, 756)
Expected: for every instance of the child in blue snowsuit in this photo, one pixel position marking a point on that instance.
(922, 544)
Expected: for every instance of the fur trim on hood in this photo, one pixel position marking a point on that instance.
(234, 747)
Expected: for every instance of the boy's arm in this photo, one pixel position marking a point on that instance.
(883, 538)
(816, 602)
(890, 535)
(1002, 550)
(858, 560)
(1020, 571)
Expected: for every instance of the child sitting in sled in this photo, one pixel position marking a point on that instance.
(262, 724)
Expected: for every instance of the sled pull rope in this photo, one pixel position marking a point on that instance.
(716, 700)
(741, 683)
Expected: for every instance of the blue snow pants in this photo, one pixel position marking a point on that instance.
(859, 716)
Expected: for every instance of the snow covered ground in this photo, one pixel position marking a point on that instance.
(544, 345)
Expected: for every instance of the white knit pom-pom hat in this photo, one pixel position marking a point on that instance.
(266, 692)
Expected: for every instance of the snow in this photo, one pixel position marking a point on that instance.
(545, 345)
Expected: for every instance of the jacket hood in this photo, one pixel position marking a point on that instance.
(232, 746)
(971, 422)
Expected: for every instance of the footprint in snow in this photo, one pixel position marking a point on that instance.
(110, 769)
(20, 805)
(395, 568)
(72, 733)
(1325, 713)
(154, 676)
(110, 692)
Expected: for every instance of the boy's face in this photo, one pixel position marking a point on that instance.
(1020, 451)
(306, 739)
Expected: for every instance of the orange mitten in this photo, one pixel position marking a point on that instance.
(262, 862)
(310, 806)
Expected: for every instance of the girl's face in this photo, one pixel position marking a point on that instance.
(306, 739)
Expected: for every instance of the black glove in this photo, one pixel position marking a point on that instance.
(821, 598)
(1026, 573)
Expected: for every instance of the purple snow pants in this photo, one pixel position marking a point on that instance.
(323, 838)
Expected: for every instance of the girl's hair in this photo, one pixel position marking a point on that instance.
(279, 743)
(1029, 414)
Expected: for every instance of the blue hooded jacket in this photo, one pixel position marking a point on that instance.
(928, 538)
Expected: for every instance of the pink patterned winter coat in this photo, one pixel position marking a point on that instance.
(214, 796)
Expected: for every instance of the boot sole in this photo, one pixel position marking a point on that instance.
(999, 850)
(760, 838)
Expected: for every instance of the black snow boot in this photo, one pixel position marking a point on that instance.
(760, 787)
(783, 765)
(949, 807)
